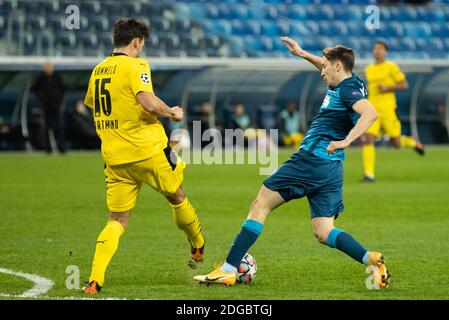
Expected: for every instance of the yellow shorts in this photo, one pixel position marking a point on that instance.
(386, 123)
(163, 172)
(293, 139)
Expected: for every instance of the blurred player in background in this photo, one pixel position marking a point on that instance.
(291, 134)
(384, 78)
(315, 171)
(134, 145)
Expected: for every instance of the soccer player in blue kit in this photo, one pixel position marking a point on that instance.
(315, 171)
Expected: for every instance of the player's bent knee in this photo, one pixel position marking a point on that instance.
(120, 217)
(321, 234)
(176, 197)
(369, 139)
(396, 142)
(321, 237)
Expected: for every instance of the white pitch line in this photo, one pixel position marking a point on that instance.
(41, 284)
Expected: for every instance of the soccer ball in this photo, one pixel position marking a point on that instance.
(247, 269)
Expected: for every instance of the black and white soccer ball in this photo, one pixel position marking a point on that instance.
(246, 272)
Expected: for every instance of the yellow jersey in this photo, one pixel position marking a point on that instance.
(128, 132)
(385, 73)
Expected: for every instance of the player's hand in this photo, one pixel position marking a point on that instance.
(177, 114)
(383, 88)
(337, 145)
(293, 47)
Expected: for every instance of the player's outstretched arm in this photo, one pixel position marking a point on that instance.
(151, 103)
(296, 50)
(401, 85)
(367, 117)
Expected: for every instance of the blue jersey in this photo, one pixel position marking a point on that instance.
(335, 119)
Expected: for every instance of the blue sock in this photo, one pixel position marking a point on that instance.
(251, 230)
(347, 244)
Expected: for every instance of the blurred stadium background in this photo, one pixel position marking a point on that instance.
(223, 52)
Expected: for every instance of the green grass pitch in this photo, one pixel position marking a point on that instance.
(53, 207)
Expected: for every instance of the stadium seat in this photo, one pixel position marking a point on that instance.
(296, 12)
(169, 41)
(221, 26)
(91, 7)
(407, 44)
(211, 41)
(353, 28)
(35, 23)
(348, 13)
(239, 11)
(225, 11)
(317, 13)
(283, 27)
(150, 9)
(394, 44)
(267, 43)
(180, 25)
(417, 30)
(159, 24)
(269, 28)
(45, 44)
(43, 8)
(66, 43)
(338, 28)
(256, 12)
(6, 7)
(254, 27)
(351, 42)
(87, 40)
(253, 44)
(99, 24)
(30, 45)
(393, 29)
(212, 11)
(105, 41)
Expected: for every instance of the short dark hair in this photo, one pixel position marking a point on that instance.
(126, 29)
(382, 43)
(344, 54)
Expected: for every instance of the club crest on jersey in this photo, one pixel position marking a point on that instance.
(145, 78)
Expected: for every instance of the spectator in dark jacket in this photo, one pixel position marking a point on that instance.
(49, 89)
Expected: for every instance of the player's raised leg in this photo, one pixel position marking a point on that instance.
(107, 244)
(266, 201)
(186, 219)
(408, 142)
(326, 233)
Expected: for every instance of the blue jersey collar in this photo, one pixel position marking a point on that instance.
(350, 79)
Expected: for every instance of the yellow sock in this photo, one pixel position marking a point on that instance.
(408, 142)
(187, 220)
(107, 244)
(369, 159)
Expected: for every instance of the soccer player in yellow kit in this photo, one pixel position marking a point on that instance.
(384, 78)
(134, 145)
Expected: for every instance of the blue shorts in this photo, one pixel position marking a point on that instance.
(305, 174)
